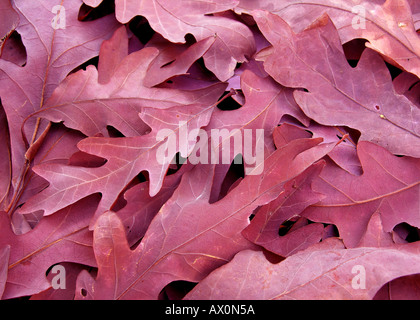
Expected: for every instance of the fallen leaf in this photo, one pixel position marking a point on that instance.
(387, 25)
(188, 232)
(389, 186)
(63, 237)
(174, 19)
(338, 94)
(265, 226)
(338, 275)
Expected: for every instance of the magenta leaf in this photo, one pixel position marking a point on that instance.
(5, 165)
(72, 270)
(174, 60)
(404, 288)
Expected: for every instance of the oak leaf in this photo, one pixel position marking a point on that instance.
(362, 98)
(188, 232)
(387, 25)
(340, 274)
(389, 186)
(174, 19)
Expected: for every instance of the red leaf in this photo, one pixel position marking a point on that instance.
(119, 91)
(127, 157)
(72, 270)
(174, 60)
(141, 208)
(187, 239)
(264, 227)
(59, 238)
(337, 275)
(5, 161)
(375, 236)
(339, 94)
(389, 185)
(266, 102)
(4, 263)
(404, 288)
(148, 147)
(9, 19)
(176, 18)
(52, 54)
(387, 25)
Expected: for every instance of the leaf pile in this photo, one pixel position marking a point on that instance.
(326, 205)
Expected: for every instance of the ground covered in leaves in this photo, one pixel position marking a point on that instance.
(212, 149)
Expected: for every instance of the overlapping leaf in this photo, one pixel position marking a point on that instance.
(62, 237)
(5, 164)
(126, 158)
(51, 54)
(251, 276)
(389, 186)
(9, 20)
(209, 149)
(362, 98)
(174, 60)
(4, 258)
(87, 102)
(81, 94)
(174, 19)
(266, 102)
(181, 242)
(387, 25)
(264, 227)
